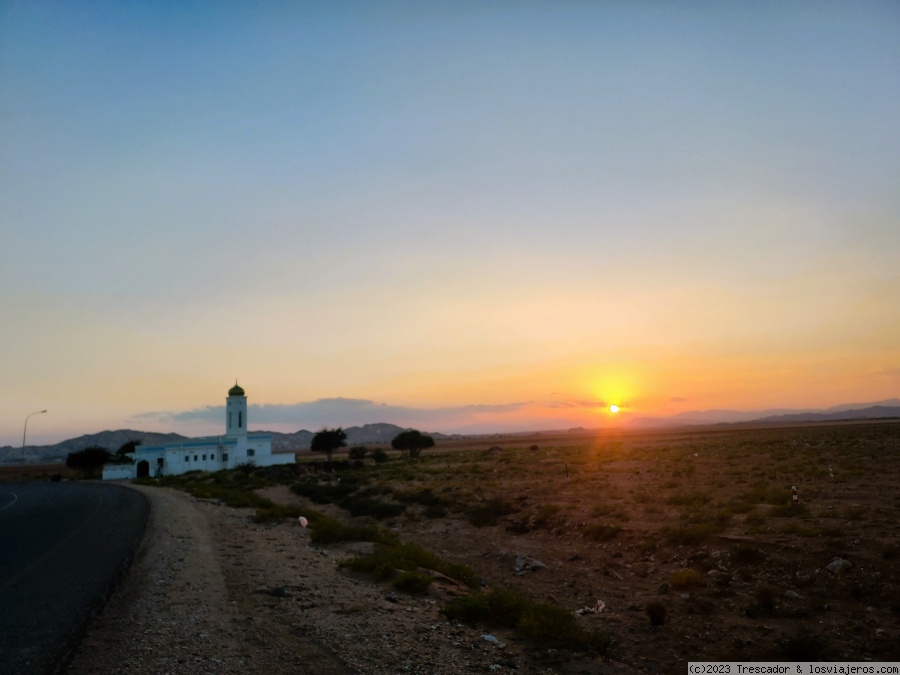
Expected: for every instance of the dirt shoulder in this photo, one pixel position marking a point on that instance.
(181, 608)
(212, 592)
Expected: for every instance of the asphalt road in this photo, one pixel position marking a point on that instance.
(62, 547)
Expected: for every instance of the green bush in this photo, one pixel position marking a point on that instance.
(413, 582)
(327, 530)
(489, 512)
(324, 493)
(425, 497)
(276, 512)
(366, 506)
(535, 621)
(386, 560)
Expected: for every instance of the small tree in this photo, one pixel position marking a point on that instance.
(328, 440)
(88, 460)
(412, 442)
(127, 448)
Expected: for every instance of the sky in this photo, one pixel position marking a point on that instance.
(465, 216)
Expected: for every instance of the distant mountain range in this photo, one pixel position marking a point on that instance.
(368, 433)
(112, 440)
(846, 411)
(384, 433)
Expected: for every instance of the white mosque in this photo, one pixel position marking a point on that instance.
(210, 453)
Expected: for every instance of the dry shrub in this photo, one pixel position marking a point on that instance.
(607, 510)
(690, 535)
(686, 578)
(544, 515)
(601, 531)
(747, 555)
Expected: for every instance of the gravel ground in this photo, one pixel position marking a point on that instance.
(182, 608)
(212, 592)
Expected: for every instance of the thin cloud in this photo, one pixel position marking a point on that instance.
(327, 412)
(578, 405)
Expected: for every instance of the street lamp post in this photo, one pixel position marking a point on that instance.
(25, 430)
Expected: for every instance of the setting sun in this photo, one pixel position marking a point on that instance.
(613, 408)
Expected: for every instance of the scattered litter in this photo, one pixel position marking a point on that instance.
(303, 521)
(526, 564)
(276, 592)
(596, 609)
(491, 638)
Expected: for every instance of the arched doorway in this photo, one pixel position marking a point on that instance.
(143, 468)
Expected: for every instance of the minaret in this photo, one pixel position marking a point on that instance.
(236, 412)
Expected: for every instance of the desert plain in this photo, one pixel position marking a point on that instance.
(662, 547)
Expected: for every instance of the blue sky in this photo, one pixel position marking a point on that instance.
(480, 204)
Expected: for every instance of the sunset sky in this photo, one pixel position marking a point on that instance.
(460, 216)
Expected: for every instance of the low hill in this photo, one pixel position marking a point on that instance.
(112, 440)
(872, 412)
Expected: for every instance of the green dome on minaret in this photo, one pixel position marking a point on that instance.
(236, 390)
